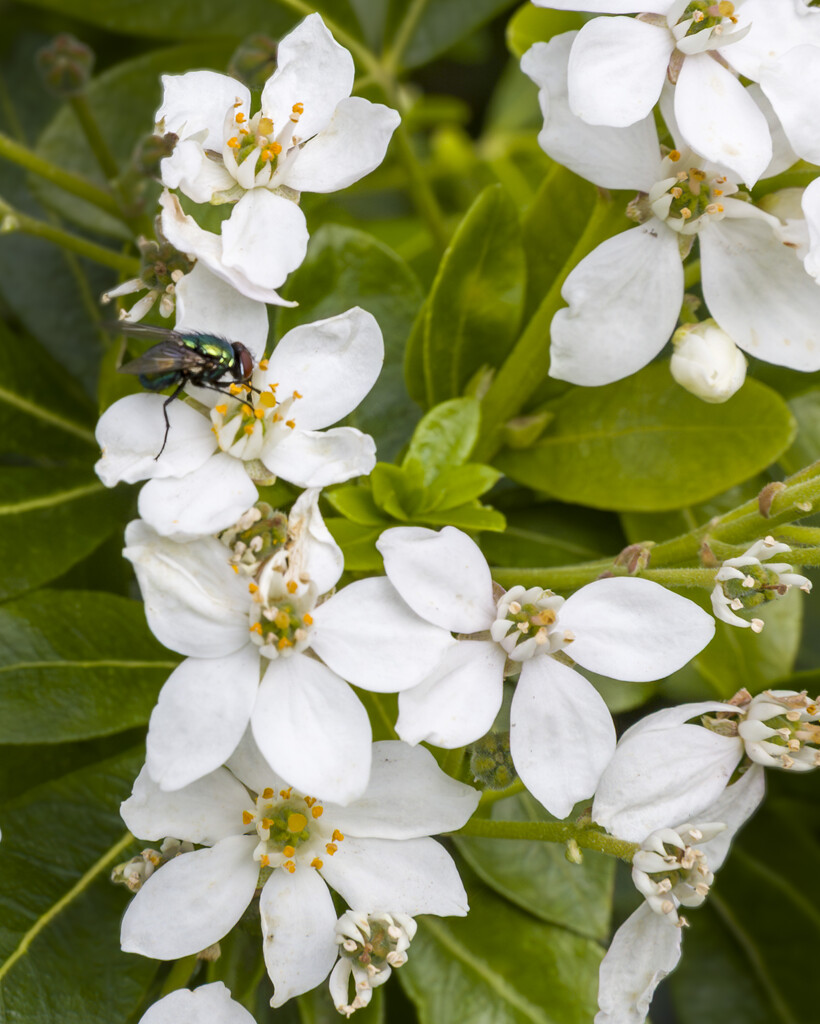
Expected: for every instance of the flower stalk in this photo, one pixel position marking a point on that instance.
(550, 832)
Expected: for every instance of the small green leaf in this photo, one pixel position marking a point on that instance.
(445, 436)
(645, 444)
(534, 24)
(806, 410)
(443, 23)
(465, 517)
(461, 485)
(553, 535)
(355, 502)
(500, 965)
(475, 304)
(75, 665)
(396, 489)
(538, 877)
(358, 542)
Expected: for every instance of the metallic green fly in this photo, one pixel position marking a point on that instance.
(182, 358)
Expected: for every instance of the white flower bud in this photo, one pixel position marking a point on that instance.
(707, 362)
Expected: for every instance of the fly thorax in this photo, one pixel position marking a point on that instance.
(256, 152)
(780, 730)
(243, 429)
(255, 537)
(686, 197)
(291, 831)
(527, 624)
(280, 619)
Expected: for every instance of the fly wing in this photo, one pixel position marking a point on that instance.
(168, 356)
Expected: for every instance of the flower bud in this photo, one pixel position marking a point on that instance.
(254, 60)
(65, 65)
(491, 761)
(780, 730)
(370, 946)
(707, 362)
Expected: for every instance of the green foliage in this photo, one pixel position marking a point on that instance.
(532, 24)
(645, 444)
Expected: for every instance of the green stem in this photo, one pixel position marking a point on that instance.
(804, 556)
(799, 535)
(66, 180)
(528, 363)
(491, 796)
(14, 220)
(691, 274)
(179, 975)
(392, 56)
(570, 577)
(96, 139)
(452, 763)
(421, 191)
(549, 832)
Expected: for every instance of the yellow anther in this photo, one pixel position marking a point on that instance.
(674, 156)
(292, 586)
(267, 822)
(284, 793)
(697, 17)
(296, 394)
(686, 214)
(307, 618)
(221, 409)
(289, 866)
(244, 131)
(719, 208)
(296, 822)
(273, 387)
(545, 617)
(264, 860)
(240, 117)
(726, 9)
(267, 794)
(235, 569)
(283, 642)
(718, 192)
(246, 412)
(215, 431)
(316, 863)
(265, 126)
(290, 423)
(309, 800)
(247, 817)
(266, 400)
(289, 851)
(256, 628)
(277, 418)
(234, 142)
(259, 413)
(275, 148)
(248, 428)
(331, 848)
(697, 174)
(299, 108)
(235, 389)
(282, 619)
(253, 588)
(317, 811)
(337, 835)
(263, 364)
(677, 191)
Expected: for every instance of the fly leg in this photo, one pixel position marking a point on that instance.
(165, 405)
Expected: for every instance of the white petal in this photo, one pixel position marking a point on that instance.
(203, 812)
(609, 157)
(408, 796)
(411, 876)
(199, 100)
(331, 363)
(458, 702)
(719, 120)
(298, 932)
(664, 771)
(322, 558)
(351, 146)
(312, 69)
(643, 951)
(194, 603)
(743, 264)
(203, 502)
(776, 27)
(251, 768)
(185, 234)
(318, 458)
(810, 204)
(616, 70)
(130, 433)
(371, 638)
(735, 805)
(442, 575)
(200, 717)
(264, 238)
(313, 730)
(208, 1004)
(561, 734)
(624, 300)
(193, 901)
(208, 304)
(792, 84)
(629, 628)
(193, 173)
(783, 156)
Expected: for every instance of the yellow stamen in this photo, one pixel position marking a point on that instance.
(289, 866)
(292, 586)
(337, 835)
(247, 817)
(307, 618)
(235, 569)
(296, 394)
(284, 793)
(240, 117)
(264, 860)
(267, 794)
(686, 214)
(309, 800)
(299, 108)
(259, 413)
(267, 822)
(248, 428)
(316, 863)
(234, 142)
(697, 174)
(256, 628)
(290, 423)
(235, 389)
(289, 851)
(331, 848)
(296, 822)
(221, 409)
(317, 811)
(674, 156)
(253, 588)
(283, 642)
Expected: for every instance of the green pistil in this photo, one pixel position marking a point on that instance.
(709, 20)
(285, 831)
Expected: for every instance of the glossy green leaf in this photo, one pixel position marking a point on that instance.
(500, 965)
(345, 268)
(445, 436)
(552, 534)
(75, 665)
(60, 958)
(358, 542)
(460, 485)
(445, 22)
(50, 520)
(532, 24)
(414, 378)
(355, 501)
(465, 517)
(645, 444)
(538, 877)
(475, 304)
(806, 410)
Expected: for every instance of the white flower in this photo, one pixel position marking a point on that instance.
(780, 731)
(625, 297)
(258, 832)
(707, 362)
(254, 646)
(745, 582)
(619, 65)
(811, 210)
(310, 135)
(208, 1004)
(218, 446)
(370, 946)
(561, 735)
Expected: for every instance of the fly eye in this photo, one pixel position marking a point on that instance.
(245, 368)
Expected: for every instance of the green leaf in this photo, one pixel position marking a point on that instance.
(345, 268)
(358, 542)
(465, 517)
(414, 378)
(806, 410)
(60, 957)
(645, 444)
(535, 24)
(553, 535)
(475, 304)
(355, 501)
(460, 485)
(397, 490)
(445, 436)
(500, 965)
(538, 877)
(50, 520)
(89, 657)
(445, 22)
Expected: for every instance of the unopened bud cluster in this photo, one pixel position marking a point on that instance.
(744, 582)
(369, 948)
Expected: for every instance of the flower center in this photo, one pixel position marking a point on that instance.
(668, 874)
(526, 623)
(244, 430)
(280, 618)
(705, 15)
(290, 831)
(258, 534)
(254, 150)
(687, 196)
